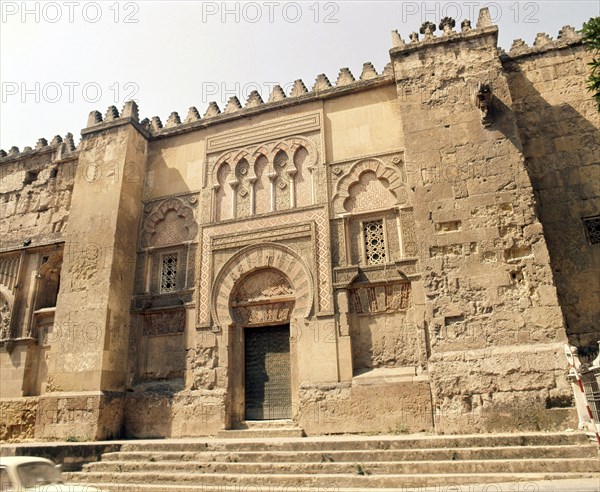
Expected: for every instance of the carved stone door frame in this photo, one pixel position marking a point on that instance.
(231, 313)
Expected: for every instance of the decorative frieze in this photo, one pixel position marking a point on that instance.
(386, 298)
(274, 129)
(164, 323)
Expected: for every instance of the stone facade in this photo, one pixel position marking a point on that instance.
(416, 246)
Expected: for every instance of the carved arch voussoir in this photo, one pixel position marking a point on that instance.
(184, 213)
(292, 144)
(254, 258)
(352, 177)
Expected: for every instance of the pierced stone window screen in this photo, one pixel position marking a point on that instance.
(374, 242)
(168, 273)
(592, 229)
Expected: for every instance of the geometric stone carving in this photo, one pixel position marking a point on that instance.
(320, 267)
(369, 193)
(410, 247)
(374, 240)
(171, 222)
(368, 184)
(262, 286)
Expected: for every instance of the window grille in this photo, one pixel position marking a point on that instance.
(374, 242)
(592, 228)
(168, 273)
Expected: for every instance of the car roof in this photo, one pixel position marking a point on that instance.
(21, 460)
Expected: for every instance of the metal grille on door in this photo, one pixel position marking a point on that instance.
(267, 362)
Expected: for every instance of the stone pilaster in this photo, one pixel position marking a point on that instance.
(87, 365)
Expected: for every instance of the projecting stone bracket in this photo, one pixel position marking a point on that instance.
(483, 99)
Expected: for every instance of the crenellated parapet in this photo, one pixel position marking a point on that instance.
(543, 43)
(112, 117)
(61, 148)
(426, 36)
(299, 93)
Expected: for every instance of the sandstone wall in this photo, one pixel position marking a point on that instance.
(560, 127)
(35, 190)
(18, 418)
(489, 287)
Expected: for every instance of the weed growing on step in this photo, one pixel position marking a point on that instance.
(399, 428)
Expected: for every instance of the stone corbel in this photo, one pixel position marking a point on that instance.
(483, 101)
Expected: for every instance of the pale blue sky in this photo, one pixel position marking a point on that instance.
(60, 60)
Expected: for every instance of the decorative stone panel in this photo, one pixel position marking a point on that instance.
(371, 183)
(263, 178)
(164, 322)
(169, 222)
(242, 233)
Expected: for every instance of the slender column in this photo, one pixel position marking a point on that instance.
(292, 173)
(272, 177)
(234, 185)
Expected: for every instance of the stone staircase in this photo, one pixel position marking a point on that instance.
(337, 463)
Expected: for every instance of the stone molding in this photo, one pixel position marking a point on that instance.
(321, 251)
(276, 129)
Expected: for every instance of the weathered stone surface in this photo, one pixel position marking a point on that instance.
(422, 233)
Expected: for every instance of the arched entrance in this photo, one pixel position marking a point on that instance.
(261, 304)
(261, 298)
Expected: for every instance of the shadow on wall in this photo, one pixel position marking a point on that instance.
(561, 149)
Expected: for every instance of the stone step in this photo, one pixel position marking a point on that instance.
(570, 465)
(203, 481)
(260, 433)
(360, 442)
(504, 452)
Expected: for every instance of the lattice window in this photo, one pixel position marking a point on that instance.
(592, 228)
(374, 237)
(168, 273)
